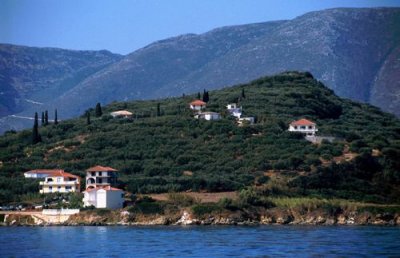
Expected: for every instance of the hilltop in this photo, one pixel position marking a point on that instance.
(352, 51)
(169, 150)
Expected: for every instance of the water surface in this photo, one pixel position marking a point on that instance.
(200, 241)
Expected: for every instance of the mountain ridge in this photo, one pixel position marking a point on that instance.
(353, 51)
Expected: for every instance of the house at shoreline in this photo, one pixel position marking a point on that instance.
(99, 176)
(197, 105)
(104, 197)
(121, 113)
(100, 192)
(304, 126)
(208, 116)
(59, 181)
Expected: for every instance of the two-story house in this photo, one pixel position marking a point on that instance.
(100, 192)
(59, 181)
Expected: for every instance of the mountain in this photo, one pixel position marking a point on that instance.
(170, 150)
(31, 77)
(355, 52)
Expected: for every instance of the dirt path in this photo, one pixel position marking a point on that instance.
(203, 197)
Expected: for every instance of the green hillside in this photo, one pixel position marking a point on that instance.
(172, 151)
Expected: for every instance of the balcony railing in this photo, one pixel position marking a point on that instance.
(59, 183)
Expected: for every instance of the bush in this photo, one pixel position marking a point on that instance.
(103, 211)
(201, 209)
(182, 200)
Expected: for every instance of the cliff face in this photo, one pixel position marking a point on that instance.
(273, 216)
(353, 51)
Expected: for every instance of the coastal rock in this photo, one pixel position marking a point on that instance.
(363, 218)
(187, 219)
(341, 219)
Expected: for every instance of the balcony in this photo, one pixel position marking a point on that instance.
(59, 183)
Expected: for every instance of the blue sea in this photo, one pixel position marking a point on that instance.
(201, 241)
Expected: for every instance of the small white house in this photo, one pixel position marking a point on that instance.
(197, 105)
(234, 110)
(121, 113)
(303, 126)
(245, 120)
(208, 116)
(104, 197)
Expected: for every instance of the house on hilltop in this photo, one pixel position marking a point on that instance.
(59, 181)
(303, 126)
(121, 113)
(197, 105)
(234, 110)
(208, 116)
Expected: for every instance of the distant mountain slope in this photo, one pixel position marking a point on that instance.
(344, 48)
(30, 76)
(355, 52)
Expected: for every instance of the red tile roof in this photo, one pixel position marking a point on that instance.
(100, 168)
(197, 102)
(52, 172)
(302, 122)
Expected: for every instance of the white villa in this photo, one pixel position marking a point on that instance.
(99, 191)
(303, 126)
(246, 120)
(121, 113)
(104, 197)
(234, 110)
(208, 116)
(197, 105)
(59, 181)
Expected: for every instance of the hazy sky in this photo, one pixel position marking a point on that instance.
(123, 26)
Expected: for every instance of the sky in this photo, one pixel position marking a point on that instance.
(123, 26)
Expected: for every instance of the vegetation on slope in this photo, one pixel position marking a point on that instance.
(171, 151)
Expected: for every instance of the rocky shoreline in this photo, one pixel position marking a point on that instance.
(269, 217)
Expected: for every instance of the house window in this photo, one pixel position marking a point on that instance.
(68, 188)
(310, 127)
(295, 127)
(59, 188)
(302, 127)
(58, 179)
(93, 173)
(50, 188)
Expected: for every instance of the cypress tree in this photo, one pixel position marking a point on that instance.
(206, 97)
(198, 95)
(88, 117)
(158, 109)
(55, 117)
(98, 112)
(243, 95)
(35, 131)
(42, 118)
(46, 118)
